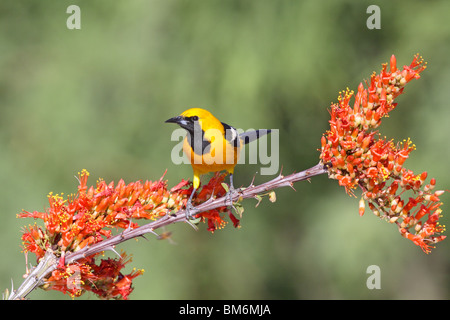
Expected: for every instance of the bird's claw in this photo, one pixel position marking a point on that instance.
(187, 211)
(230, 194)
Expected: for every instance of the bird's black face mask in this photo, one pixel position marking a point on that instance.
(196, 135)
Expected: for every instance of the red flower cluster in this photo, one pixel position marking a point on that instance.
(358, 156)
(89, 216)
(105, 279)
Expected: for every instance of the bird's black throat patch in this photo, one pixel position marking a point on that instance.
(197, 141)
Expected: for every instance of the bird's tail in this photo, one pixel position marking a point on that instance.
(250, 136)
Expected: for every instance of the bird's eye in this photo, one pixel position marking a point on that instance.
(194, 118)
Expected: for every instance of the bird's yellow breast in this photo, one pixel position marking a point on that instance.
(221, 155)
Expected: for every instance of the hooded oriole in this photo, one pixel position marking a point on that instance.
(211, 145)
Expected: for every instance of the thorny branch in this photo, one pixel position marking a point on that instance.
(49, 262)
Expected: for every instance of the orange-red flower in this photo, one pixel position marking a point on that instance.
(358, 156)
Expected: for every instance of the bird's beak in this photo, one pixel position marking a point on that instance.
(178, 120)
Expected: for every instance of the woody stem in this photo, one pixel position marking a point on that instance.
(36, 277)
(49, 262)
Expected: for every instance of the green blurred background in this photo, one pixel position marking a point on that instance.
(97, 98)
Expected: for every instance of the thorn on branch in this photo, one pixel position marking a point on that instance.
(113, 250)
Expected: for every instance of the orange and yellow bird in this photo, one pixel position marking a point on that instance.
(211, 145)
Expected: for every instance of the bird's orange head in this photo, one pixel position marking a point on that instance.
(188, 118)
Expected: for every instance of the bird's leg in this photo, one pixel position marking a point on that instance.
(231, 191)
(189, 206)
